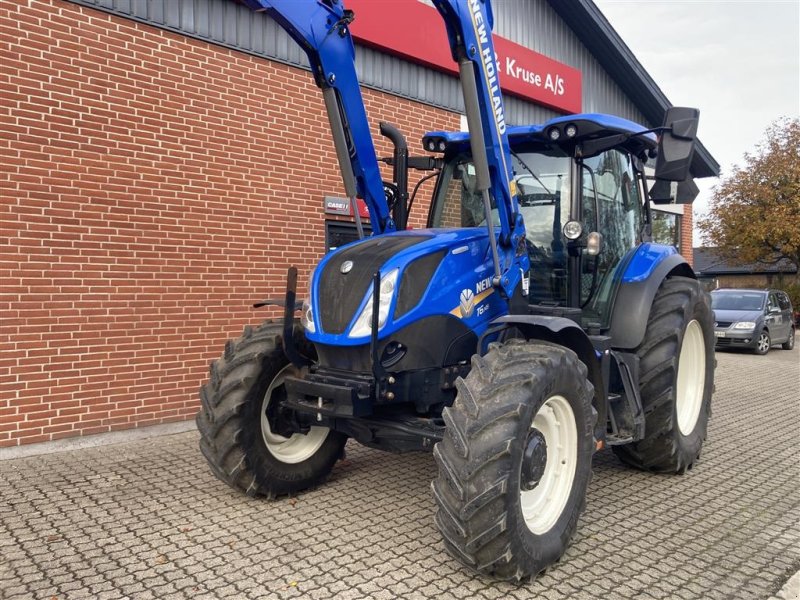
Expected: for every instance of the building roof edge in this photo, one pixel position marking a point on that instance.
(601, 39)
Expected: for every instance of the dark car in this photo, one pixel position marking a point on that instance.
(754, 319)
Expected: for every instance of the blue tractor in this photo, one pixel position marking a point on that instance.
(530, 324)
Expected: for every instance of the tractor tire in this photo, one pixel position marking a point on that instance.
(789, 344)
(235, 436)
(763, 344)
(515, 460)
(676, 379)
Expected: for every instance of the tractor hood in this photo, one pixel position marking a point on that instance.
(425, 273)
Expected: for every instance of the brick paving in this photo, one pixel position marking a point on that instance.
(148, 520)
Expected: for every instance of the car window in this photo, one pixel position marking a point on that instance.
(783, 301)
(773, 302)
(737, 300)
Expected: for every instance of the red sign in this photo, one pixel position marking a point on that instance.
(335, 205)
(416, 32)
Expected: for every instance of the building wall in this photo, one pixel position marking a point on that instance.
(752, 280)
(687, 224)
(153, 186)
(531, 23)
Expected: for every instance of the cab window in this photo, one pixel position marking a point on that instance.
(612, 205)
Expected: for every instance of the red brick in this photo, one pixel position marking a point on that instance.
(152, 196)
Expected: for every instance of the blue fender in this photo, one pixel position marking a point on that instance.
(563, 332)
(648, 265)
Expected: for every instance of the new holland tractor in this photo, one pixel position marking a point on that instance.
(532, 323)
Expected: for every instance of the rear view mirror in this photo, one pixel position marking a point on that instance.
(676, 146)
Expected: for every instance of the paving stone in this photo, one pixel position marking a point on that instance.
(147, 519)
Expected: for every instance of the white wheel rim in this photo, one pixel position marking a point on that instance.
(691, 378)
(763, 342)
(543, 505)
(298, 447)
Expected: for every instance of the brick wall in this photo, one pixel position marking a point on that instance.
(687, 224)
(153, 187)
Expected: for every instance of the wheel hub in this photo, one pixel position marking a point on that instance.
(282, 443)
(534, 460)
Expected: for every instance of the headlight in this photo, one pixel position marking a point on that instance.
(307, 316)
(745, 325)
(572, 230)
(363, 324)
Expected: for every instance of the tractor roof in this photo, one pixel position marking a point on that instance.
(585, 127)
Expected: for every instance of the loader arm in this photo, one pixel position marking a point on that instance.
(321, 29)
(469, 29)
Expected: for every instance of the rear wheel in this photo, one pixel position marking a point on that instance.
(240, 400)
(789, 344)
(763, 343)
(676, 376)
(515, 462)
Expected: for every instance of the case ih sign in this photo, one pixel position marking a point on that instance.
(414, 31)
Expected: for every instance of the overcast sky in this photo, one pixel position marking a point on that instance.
(737, 61)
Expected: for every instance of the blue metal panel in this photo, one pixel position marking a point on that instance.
(459, 270)
(647, 257)
(322, 30)
(531, 133)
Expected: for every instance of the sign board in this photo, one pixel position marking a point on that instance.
(416, 32)
(334, 205)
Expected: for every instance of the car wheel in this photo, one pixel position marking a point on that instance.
(763, 343)
(789, 344)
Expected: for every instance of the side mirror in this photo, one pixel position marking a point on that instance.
(676, 146)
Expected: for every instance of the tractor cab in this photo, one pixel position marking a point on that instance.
(581, 193)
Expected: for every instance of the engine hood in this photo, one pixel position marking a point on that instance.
(438, 272)
(737, 315)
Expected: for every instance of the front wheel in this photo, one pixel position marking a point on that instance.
(676, 376)
(515, 462)
(789, 344)
(763, 343)
(241, 401)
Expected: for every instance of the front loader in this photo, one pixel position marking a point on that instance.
(530, 324)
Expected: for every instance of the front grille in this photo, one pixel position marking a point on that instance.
(723, 324)
(341, 293)
(416, 278)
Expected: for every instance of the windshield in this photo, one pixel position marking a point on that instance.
(543, 194)
(737, 300)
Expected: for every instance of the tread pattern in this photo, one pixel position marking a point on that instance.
(229, 419)
(473, 492)
(664, 448)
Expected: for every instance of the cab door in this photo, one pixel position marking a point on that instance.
(612, 205)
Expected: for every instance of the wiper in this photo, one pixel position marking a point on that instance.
(534, 175)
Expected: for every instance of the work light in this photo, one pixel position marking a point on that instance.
(573, 230)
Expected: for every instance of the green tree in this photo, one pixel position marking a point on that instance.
(754, 213)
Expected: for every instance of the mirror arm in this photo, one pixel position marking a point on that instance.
(660, 129)
(647, 234)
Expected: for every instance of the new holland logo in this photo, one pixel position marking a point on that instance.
(346, 267)
(467, 303)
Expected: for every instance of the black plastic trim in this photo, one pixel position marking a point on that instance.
(342, 293)
(416, 278)
(634, 299)
(562, 331)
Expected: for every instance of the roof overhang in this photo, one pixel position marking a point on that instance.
(605, 44)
